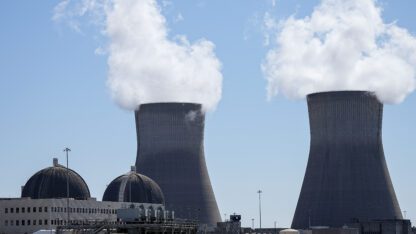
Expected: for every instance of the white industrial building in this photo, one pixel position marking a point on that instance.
(55, 193)
(26, 215)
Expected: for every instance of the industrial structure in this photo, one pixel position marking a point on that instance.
(44, 204)
(133, 187)
(170, 139)
(346, 178)
(51, 182)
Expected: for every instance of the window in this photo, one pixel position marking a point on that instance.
(23, 223)
(6, 210)
(23, 210)
(11, 210)
(17, 222)
(40, 221)
(34, 209)
(6, 222)
(28, 222)
(45, 209)
(34, 222)
(17, 209)
(28, 210)
(40, 209)
(11, 222)
(45, 222)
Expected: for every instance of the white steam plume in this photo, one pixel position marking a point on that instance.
(146, 65)
(343, 45)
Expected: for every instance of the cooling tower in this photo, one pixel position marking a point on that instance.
(170, 139)
(346, 178)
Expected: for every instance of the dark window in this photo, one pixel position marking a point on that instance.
(6, 222)
(17, 222)
(45, 209)
(28, 210)
(23, 223)
(34, 222)
(28, 222)
(23, 210)
(11, 222)
(46, 222)
(34, 209)
(11, 210)
(40, 209)
(17, 209)
(6, 210)
(40, 221)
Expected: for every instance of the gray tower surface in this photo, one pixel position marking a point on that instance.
(170, 139)
(346, 177)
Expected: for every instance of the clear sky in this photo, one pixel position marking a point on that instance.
(53, 94)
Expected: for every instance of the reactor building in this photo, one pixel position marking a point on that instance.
(170, 139)
(346, 178)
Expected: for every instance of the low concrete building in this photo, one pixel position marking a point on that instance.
(26, 215)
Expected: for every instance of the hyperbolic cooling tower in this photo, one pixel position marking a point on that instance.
(346, 178)
(170, 139)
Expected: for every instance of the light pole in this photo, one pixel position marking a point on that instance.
(275, 230)
(66, 150)
(252, 224)
(259, 192)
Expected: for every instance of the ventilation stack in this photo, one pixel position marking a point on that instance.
(170, 139)
(346, 178)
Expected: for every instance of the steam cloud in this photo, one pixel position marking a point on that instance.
(343, 45)
(147, 66)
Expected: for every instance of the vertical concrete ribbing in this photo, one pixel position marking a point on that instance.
(346, 176)
(170, 139)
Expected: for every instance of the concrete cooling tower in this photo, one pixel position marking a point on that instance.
(346, 178)
(170, 139)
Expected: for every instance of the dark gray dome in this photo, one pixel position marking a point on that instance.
(51, 183)
(134, 187)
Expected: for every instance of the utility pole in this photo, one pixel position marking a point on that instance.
(275, 230)
(252, 224)
(259, 192)
(66, 150)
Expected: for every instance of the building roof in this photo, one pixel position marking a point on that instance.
(51, 182)
(134, 187)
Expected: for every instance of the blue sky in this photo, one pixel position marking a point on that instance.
(53, 94)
